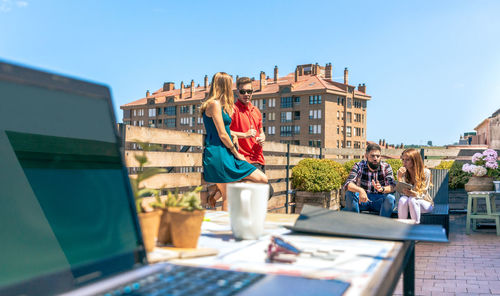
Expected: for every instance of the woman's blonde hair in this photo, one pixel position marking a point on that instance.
(221, 89)
(418, 179)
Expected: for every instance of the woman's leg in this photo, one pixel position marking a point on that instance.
(403, 207)
(222, 189)
(256, 176)
(414, 209)
(425, 206)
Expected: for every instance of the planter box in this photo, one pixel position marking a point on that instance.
(328, 200)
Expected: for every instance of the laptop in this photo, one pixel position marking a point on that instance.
(67, 217)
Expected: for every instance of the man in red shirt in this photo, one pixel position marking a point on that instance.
(246, 125)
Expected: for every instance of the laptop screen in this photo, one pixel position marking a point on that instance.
(67, 209)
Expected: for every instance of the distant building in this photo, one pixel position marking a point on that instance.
(303, 108)
(488, 131)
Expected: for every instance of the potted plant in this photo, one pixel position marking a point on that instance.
(318, 182)
(174, 202)
(181, 222)
(148, 203)
(482, 171)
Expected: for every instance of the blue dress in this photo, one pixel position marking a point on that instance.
(219, 164)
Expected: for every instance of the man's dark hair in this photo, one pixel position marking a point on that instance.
(243, 80)
(372, 146)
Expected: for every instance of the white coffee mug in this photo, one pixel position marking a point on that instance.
(247, 209)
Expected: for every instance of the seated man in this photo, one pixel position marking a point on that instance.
(369, 184)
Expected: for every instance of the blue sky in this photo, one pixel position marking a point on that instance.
(432, 67)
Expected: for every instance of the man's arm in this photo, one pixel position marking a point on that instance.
(261, 138)
(350, 184)
(250, 133)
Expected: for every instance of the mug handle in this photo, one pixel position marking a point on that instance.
(246, 219)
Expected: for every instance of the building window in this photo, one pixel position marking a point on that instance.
(200, 120)
(140, 112)
(296, 101)
(272, 103)
(158, 111)
(296, 130)
(296, 115)
(314, 114)
(363, 118)
(286, 102)
(170, 122)
(349, 104)
(364, 105)
(141, 122)
(263, 117)
(314, 100)
(315, 129)
(357, 104)
(338, 130)
(286, 116)
(357, 145)
(126, 113)
(271, 116)
(348, 131)
(357, 117)
(315, 143)
(338, 144)
(170, 110)
(357, 131)
(348, 144)
(286, 130)
(271, 130)
(338, 114)
(152, 112)
(349, 117)
(185, 109)
(362, 132)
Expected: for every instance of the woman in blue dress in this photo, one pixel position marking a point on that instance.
(222, 163)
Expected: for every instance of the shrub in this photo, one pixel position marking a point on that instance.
(444, 165)
(395, 164)
(458, 178)
(349, 164)
(318, 175)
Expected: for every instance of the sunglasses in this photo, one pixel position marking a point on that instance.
(282, 251)
(246, 91)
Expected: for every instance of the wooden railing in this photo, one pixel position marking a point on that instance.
(181, 154)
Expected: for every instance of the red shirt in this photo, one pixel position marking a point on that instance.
(246, 117)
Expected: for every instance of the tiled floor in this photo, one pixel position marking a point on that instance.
(467, 265)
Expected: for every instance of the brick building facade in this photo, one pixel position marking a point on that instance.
(303, 108)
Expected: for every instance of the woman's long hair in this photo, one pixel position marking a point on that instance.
(221, 89)
(417, 179)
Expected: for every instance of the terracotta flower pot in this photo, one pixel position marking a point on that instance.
(479, 184)
(164, 232)
(150, 222)
(185, 228)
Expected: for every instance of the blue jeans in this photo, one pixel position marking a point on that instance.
(382, 203)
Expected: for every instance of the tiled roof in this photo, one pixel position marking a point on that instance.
(304, 83)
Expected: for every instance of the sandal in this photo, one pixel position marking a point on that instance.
(211, 201)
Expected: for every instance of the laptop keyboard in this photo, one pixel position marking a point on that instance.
(178, 280)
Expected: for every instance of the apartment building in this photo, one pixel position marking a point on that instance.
(305, 107)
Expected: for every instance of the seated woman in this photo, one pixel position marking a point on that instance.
(417, 200)
(222, 163)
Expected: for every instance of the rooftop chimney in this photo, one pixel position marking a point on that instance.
(147, 93)
(263, 81)
(328, 71)
(315, 69)
(296, 74)
(237, 77)
(168, 86)
(182, 89)
(362, 88)
(192, 88)
(276, 74)
(346, 76)
(206, 82)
